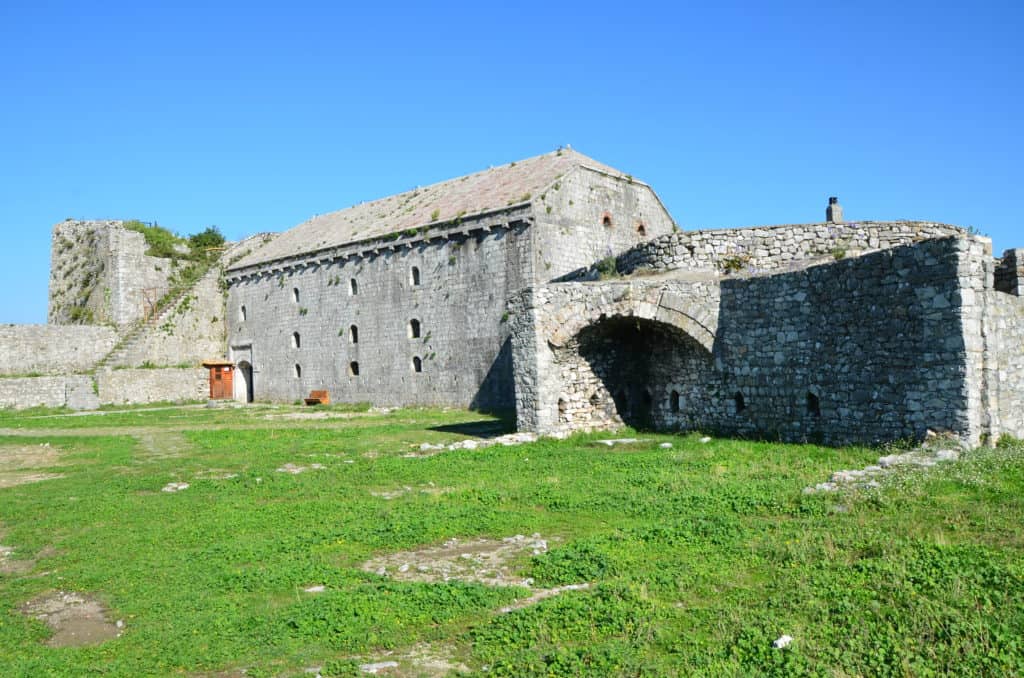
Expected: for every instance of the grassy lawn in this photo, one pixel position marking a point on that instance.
(698, 556)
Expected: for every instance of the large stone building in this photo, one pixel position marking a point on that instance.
(560, 288)
(401, 301)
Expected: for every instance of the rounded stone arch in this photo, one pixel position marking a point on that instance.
(573, 318)
(642, 362)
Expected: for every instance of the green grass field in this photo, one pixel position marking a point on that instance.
(697, 556)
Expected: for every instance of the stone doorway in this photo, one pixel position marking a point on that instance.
(244, 391)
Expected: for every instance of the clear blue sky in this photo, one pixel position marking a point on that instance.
(256, 117)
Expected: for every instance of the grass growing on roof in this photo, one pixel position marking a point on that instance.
(699, 555)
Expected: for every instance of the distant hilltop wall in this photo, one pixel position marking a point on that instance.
(100, 273)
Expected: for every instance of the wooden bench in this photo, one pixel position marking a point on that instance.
(318, 398)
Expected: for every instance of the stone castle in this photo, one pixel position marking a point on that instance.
(560, 288)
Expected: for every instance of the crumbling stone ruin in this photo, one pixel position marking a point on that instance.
(561, 288)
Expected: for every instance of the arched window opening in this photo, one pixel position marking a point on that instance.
(417, 364)
(298, 371)
(296, 340)
(739, 402)
(295, 294)
(353, 334)
(675, 402)
(813, 405)
(606, 220)
(414, 276)
(353, 369)
(641, 229)
(353, 287)
(414, 329)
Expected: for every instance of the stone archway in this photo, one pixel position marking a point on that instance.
(633, 371)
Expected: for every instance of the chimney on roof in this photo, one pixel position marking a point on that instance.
(834, 211)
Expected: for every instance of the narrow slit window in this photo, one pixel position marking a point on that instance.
(353, 369)
(417, 364)
(813, 405)
(296, 340)
(353, 287)
(674, 402)
(298, 371)
(739, 402)
(353, 334)
(295, 294)
(242, 313)
(414, 276)
(414, 329)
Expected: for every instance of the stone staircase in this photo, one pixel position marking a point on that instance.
(141, 329)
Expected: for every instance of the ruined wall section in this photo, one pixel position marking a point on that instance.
(296, 326)
(53, 349)
(1009, 273)
(878, 340)
(588, 215)
(100, 273)
(1005, 322)
(773, 248)
(870, 349)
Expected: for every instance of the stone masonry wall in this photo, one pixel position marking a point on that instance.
(100, 273)
(75, 391)
(1009, 274)
(866, 349)
(296, 326)
(193, 331)
(588, 215)
(1006, 318)
(53, 349)
(877, 340)
(135, 387)
(773, 248)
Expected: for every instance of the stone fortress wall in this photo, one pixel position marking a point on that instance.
(866, 348)
(444, 339)
(53, 349)
(103, 287)
(100, 274)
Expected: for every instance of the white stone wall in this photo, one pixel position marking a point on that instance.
(102, 269)
(589, 215)
(465, 277)
(136, 387)
(53, 349)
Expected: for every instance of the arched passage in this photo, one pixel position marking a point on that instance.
(243, 382)
(643, 373)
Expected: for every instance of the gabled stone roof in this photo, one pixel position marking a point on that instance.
(515, 183)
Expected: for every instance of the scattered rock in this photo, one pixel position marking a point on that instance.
(486, 561)
(611, 442)
(76, 619)
(665, 446)
(318, 588)
(377, 667)
(540, 595)
(174, 487)
(782, 641)
(705, 439)
(295, 469)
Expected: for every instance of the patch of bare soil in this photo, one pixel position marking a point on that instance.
(424, 660)
(17, 464)
(486, 561)
(305, 416)
(296, 469)
(76, 619)
(394, 493)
